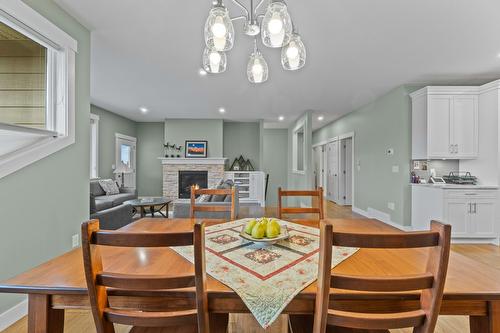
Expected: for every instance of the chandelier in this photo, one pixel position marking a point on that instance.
(275, 28)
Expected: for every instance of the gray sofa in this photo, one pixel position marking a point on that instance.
(109, 209)
(182, 207)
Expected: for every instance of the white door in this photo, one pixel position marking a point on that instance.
(318, 166)
(439, 131)
(347, 171)
(482, 218)
(457, 214)
(464, 126)
(333, 171)
(125, 156)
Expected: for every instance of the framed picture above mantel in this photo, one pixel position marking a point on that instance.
(196, 149)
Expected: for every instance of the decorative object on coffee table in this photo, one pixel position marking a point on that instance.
(196, 149)
(155, 205)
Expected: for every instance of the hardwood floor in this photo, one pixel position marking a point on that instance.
(80, 321)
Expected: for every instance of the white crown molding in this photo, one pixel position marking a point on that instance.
(198, 161)
(13, 314)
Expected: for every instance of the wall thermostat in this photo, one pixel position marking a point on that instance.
(390, 151)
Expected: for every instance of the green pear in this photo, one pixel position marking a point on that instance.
(264, 221)
(273, 229)
(249, 226)
(258, 231)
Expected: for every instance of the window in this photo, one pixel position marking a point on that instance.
(37, 82)
(94, 146)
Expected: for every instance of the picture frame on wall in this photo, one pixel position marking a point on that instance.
(196, 149)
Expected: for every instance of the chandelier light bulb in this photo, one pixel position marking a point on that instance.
(219, 29)
(257, 69)
(293, 56)
(276, 25)
(214, 61)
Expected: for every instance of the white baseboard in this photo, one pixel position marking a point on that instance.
(493, 241)
(13, 314)
(372, 213)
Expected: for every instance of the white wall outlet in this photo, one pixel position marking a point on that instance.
(390, 151)
(395, 168)
(391, 205)
(75, 240)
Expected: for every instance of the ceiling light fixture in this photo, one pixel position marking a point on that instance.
(321, 118)
(281, 118)
(222, 110)
(143, 109)
(275, 27)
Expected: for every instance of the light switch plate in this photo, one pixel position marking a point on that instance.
(395, 168)
(391, 205)
(75, 240)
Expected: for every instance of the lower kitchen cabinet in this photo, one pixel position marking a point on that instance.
(473, 214)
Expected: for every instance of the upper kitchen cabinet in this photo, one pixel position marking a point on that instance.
(445, 123)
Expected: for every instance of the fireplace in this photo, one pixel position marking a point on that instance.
(188, 178)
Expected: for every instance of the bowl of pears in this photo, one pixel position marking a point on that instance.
(264, 231)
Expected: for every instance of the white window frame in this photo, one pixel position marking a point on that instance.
(95, 118)
(61, 54)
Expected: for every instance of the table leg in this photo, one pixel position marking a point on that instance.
(218, 322)
(152, 210)
(489, 323)
(41, 317)
(143, 212)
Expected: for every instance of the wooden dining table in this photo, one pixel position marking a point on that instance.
(472, 288)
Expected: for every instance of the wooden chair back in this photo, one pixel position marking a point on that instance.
(316, 195)
(99, 281)
(431, 283)
(213, 206)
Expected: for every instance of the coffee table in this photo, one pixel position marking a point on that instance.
(155, 205)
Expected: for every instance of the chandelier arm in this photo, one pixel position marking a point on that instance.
(258, 5)
(241, 17)
(236, 2)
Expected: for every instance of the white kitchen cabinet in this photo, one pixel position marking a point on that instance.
(251, 185)
(445, 123)
(472, 213)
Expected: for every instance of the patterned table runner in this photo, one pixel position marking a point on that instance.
(266, 278)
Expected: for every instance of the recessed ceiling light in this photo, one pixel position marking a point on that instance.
(222, 110)
(143, 109)
(202, 72)
(281, 118)
(320, 118)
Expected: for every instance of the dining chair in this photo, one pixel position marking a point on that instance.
(316, 195)
(144, 316)
(430, 283)
(213, 206)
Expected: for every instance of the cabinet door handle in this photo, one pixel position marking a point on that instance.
(470, 208)
(475, 208)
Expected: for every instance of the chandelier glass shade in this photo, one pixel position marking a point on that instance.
(293, 55)
(257, 69)
(275, 27)
(219, 29)
(214, 61)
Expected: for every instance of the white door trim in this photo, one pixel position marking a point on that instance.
(125, 137)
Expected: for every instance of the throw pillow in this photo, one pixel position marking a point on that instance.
(109, 186)
(205, 198)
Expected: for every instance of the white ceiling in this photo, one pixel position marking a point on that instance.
(148, 53)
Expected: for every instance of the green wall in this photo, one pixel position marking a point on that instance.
(274, 162)
(149, 148)
(299, 181)
(385, 123)
(177, 131)
(242, 139)
(109, 124)
(44, 203)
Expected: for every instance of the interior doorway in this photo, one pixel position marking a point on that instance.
(333, 168)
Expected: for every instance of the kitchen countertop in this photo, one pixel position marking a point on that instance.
(459, 187)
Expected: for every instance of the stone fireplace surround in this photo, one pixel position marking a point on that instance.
(172, 166)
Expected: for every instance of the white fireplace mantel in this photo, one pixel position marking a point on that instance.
(198, 161)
